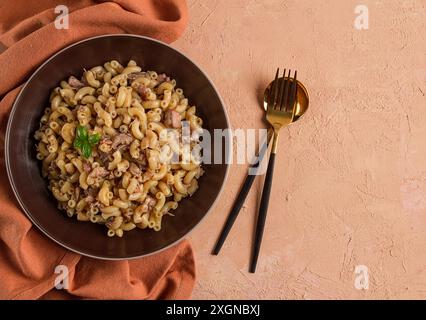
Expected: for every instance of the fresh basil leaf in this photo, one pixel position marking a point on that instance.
(94, 139)
(82, 132)
(86, 150)
(77, 143)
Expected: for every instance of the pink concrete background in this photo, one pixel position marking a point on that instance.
(350, 180)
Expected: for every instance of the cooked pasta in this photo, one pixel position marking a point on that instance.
(107, 141)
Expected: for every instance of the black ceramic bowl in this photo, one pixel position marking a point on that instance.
(24, 169)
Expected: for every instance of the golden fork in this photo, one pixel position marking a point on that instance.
(281, 109)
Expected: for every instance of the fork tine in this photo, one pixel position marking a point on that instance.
(276, 88)
(293, 93)
(281, 91)
(286, 92)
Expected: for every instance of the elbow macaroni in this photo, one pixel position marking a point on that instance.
(128, 181)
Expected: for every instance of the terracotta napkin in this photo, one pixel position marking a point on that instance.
(27, 258)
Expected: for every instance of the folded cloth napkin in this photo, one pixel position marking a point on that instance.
(27, 258)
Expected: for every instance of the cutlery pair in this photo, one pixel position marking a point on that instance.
(282, 108)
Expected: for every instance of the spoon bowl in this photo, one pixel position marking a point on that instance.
(302, 98)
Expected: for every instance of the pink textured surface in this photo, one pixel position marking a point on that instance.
(350, 184)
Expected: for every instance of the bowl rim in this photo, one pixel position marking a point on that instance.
(8, 145)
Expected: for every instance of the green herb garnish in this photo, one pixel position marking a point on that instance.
(85, 142)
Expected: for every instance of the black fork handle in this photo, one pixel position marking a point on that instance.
(263, 210)
(248, 182)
